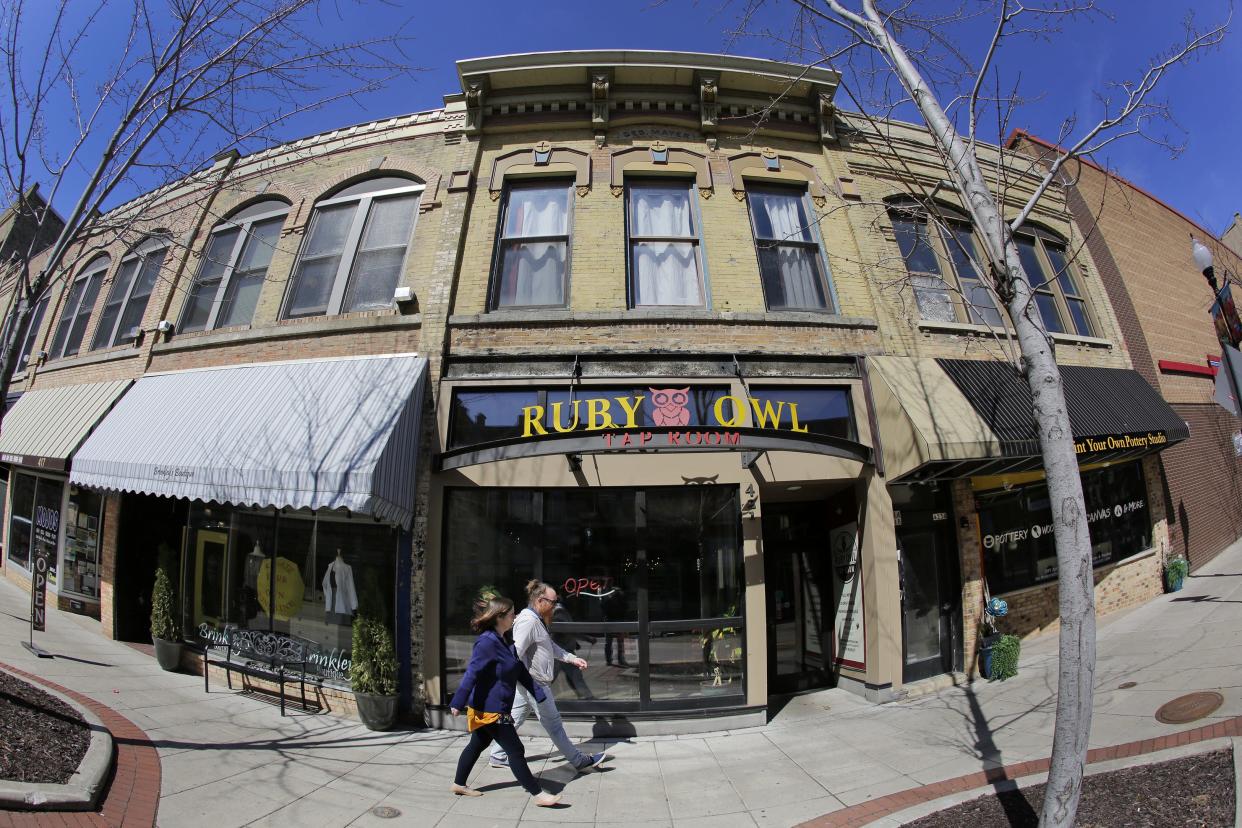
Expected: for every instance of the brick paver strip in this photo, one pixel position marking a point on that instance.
(133, 794)
(873, 809)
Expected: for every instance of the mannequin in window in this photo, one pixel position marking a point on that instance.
(340, 599)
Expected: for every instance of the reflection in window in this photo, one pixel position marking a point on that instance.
(664, 245)
(32, 332)
(980, 305)
(484, 416)
(78, 307)
(931, 292)
(789, 255)
(83, 529)
(609, 553)
(234, 268)
(354, 250)
(532, 260)
(34, 522)
(824, 410)
(1017, 557)
(127, 300)
(301, 577)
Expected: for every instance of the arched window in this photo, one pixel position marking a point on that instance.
(131, 288)
(1057, 293)
(234, 268)
(79, 305)
(355, 248)
(943, 261)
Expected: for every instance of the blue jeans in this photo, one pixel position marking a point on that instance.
(550, 718)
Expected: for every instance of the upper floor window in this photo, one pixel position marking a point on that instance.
(79, 305)
(786, 241)
(1057, 295)
(36, 320)
(131, 288)
(665, 263)
(532, 252)
(943, 268)
(234, 268)
(354, 249)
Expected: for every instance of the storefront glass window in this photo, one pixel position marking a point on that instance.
(650, 581)
(820, 410)
(484, 416)
(83, 521)
(1018, 540)
(295, 575)
(34, 526)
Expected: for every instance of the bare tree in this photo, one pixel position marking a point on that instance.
(901, 56)
(188, 81)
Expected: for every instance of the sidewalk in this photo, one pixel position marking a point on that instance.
(227, 760)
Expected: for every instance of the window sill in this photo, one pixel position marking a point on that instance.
(288, 329)
(646, 315)
(91, 358)
(971, 329)
(1097, 571)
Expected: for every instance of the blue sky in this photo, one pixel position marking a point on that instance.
(1060, 72)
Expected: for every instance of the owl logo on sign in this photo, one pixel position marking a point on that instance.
(669, 406)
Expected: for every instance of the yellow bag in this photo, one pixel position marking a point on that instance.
(476, 719)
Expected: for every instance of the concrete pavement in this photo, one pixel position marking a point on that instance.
(228, 760)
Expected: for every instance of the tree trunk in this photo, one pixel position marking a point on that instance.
(1076, 585)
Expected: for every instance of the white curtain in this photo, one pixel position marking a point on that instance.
(534, 272)
(665, 272)
(783, 218)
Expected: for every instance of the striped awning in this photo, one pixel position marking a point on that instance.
(945, 418)
(45, 426)
(318, 434)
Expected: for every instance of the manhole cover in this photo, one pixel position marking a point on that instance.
(1126, 685)
(385, 812)
(1187, 708)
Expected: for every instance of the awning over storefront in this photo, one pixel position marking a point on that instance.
(317, 434)
(45, 426)
(956, 417)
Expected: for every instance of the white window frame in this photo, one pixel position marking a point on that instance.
(69, 316)
(226, 279)
(141, 252)
(349, 251)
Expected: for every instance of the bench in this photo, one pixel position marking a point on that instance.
(259, 654)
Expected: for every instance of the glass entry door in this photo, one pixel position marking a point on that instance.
(798, 573)
(930, 594)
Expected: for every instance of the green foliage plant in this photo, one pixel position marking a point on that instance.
(373, 660)
(164, 608)
(1175, 570)
(1005, 657)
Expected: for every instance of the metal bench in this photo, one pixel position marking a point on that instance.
(259, 654)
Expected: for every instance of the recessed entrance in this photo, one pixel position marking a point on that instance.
(930, 581)
(806, 587)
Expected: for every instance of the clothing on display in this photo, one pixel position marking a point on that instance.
(340, 598)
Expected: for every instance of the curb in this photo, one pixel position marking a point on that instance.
(1107, 766)
(82, 790)
(879, 809)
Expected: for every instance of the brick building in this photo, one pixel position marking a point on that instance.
(666, 330)
(1142, 246)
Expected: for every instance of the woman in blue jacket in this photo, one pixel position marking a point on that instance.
(486, 695)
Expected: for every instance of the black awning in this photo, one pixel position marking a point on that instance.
(1113, 411)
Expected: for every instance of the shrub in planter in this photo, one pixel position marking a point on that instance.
(1005, 658)
(1175, 571)
(165, 632)
(373, 673)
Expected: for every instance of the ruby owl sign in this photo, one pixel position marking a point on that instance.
(665, 408)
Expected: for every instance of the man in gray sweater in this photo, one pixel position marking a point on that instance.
(540, 653)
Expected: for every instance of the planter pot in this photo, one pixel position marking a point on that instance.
(377, 712)
(168, 653)
(985, 654)
(1174, 584)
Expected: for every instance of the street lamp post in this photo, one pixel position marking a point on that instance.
(1203, 260)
